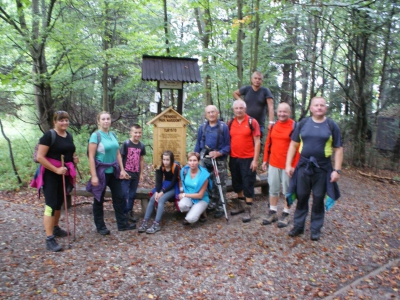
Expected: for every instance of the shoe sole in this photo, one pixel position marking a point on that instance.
(246, 220)
(281, 225)
(236, 213)
(151, 232)
(265, 222)
(297, 234)
(58, 250)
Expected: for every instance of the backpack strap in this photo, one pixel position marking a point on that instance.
(53, 136)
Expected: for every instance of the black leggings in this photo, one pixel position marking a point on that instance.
(53, 190)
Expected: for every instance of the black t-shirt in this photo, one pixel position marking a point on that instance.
(61, 145)
(256, 102)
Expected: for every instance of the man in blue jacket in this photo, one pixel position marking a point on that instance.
(213, 141)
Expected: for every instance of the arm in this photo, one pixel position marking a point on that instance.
(173, 181)
(270, 103)
(266, 150)
(41, 158)
(123, 174)
(254, 163)
(198, 195)
(291, 152)
(236, 95)
(141, 168)
(338, 163)
(199, 137)
(92, 165)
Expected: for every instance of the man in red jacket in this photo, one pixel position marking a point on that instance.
(275, 152)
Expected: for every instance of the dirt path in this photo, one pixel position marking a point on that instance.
(213, 260)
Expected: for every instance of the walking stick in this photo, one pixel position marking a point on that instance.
(74, 204)
(65, 201)
(218, 181)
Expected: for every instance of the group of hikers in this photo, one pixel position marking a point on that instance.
(296, 155)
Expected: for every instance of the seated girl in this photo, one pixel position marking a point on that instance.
(167, 187)
(195, 181)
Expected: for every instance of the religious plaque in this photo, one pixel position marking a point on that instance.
(169, 134)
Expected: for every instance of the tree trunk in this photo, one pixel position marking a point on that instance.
(239, 44)
(11, 154)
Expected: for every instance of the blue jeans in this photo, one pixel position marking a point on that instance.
(129, 187)
(160, 208)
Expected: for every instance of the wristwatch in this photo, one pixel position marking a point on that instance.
(337, 171)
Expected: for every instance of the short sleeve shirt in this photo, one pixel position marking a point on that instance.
(317, 139)
(107, 149)
(256, 102)
(242, 142)
(131, 155)
(61, 146)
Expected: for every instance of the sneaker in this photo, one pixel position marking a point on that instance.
(271, 218)
(143, 227)
(130, 216)
(57, 231)
(154, 228)
(315, 235)
(128, 227)
(103, 231)
(283, 220)
(51, 244)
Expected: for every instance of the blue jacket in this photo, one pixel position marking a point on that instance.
(209, 138)
(204, 175)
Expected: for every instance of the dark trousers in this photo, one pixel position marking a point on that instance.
(243, 178)
(305, 184)
(118, 203)
(215, 198)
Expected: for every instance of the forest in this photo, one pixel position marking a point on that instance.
(85, 56)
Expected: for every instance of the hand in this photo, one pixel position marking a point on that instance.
(141, 178)
(270, 126)
(254, 166)
(124, 175)
(61, 170)
(289, 171)
(335, 176)
(158, 196)
(76, 159)
(264, 166)
(95, 181)
(214, 154)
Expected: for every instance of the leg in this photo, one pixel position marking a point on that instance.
(133, 185)
(237, 186)
(274, 183)
(125, 192)
(150, 207)
(185, 204)
(118, 202)
(248, 179)
(318, 209)
(161, 202)
(222, 172)
(303, 194)
(195, 212)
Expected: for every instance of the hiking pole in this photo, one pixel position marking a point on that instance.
(218, 182)
(74, 204)
(65, 201)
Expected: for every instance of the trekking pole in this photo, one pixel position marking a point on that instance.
(218, 181)
(65, 201)
(74, 204)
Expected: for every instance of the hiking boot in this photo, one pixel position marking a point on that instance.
(128, 227)
(130, 216)
(52, 245)
(57, 231)
(239, 206)
(211, 207)
(315, 235)
(219, 214)
(247, 217)
(143, 227)
(154, 228)
(296, 232)
(271, 218)
(283, 220)
(103, 231)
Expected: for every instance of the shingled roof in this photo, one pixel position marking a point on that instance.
(155, 68)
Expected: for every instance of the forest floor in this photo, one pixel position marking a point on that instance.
(356, 258)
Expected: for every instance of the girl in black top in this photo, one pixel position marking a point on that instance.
(167, 187)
